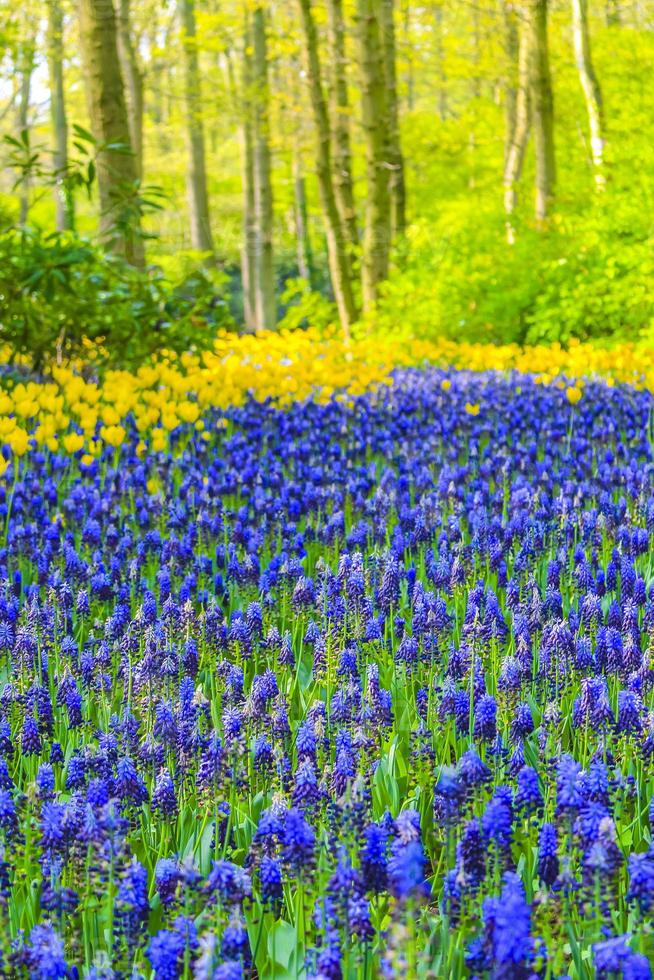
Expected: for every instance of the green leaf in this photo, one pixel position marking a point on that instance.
(282, 944)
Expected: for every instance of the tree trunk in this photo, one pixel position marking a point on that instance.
(476, 50)
(543, 111)
(337, 249)
(303, 243)
(475, 87)
(612, 13)
(410, 83)
(518, 135)
(397, 188)
(249, 250)
(159, 79)
(133, 80)
(374, 112)
(440, 60)
(64, 205)
(340, 123)
(265, 305)
(25, 67)
(198, 198)
(511, 75)
(117, 177)
(590, 86)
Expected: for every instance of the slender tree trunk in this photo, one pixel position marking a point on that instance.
(117, 176)
(511, 74)
(374, 113)
(64, 206)
(303, 243)
(249, 250)
(410, 84)
(159, 83)
(25, 68)
(440, 61)
(475, 86)
(133, 80)
(155, 71)
(518, 135)
(543, 112)
(339, 266)
(339, 110)
(265, 304)
(157, 105)
(591, 88)
(612, 13)
(395, 159)
(476, 50)
(198, 197)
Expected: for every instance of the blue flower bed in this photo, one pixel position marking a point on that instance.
(347, 690)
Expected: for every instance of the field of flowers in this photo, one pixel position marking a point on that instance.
(68, 412)
(349, 679)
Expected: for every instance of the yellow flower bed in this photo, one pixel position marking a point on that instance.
(64, 413)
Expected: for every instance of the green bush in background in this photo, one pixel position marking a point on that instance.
(59, 290)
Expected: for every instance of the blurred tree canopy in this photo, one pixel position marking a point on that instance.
(474, 168)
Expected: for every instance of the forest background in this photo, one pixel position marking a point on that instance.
(474, 169)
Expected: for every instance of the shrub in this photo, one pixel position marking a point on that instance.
(58, 293)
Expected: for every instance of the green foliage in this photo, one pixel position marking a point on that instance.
(62, 295)
(28, 163)
(305, 307)
(587, 274)
(576, 280)
(58, 292)
(598, 289)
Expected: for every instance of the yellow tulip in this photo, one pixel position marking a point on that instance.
(188, 411)
(7, 426)
(159, 440)
(169, 421)
(110, 415)
(92, 394)
(27, 408)
(73, 442)
(19, 441)
(113, 435)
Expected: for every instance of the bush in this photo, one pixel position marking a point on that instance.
(60, 295)
(585, 277)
